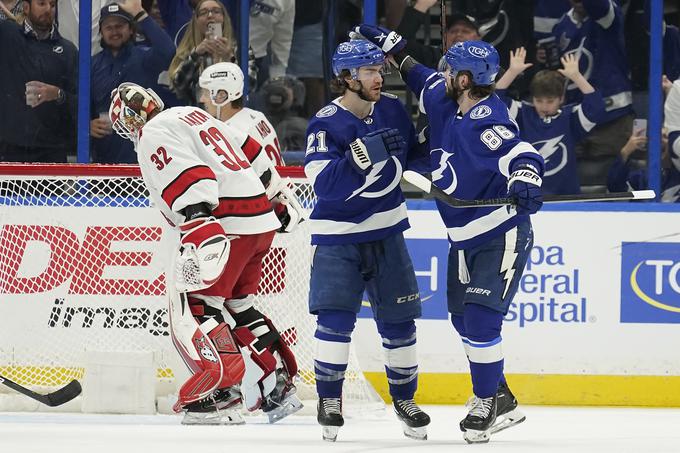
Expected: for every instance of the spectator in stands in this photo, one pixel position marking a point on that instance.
(38, 80)
(271, 35)
(459, 27)
(305, 61)
(12, 10)
(283, 101)
(201, 47)
(593, 30)
(122, 61)
(547, 13)
(625, 174)
(672, 118)
(551, 127)
(177, 15)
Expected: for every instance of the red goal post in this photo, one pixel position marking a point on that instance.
(82, 268)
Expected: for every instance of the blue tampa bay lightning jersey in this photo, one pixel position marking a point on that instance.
(599, 42)
(471, 158)
(351, 207)
(555, 137)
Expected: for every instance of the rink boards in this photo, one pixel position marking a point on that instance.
(595, 321)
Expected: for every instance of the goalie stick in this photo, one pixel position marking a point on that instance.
(424, 184)
(56, 398)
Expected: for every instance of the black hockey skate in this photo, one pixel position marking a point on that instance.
(222, 407)
(413, 419)
(477, 425)
(329, 416)
(507, 414)
(282, 401)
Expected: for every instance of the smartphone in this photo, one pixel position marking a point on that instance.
(640, 126)
(214, 30)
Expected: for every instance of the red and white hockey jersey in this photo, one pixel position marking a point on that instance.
(188, 157)
(255, 124)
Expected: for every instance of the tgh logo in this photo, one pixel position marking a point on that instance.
(478, 52)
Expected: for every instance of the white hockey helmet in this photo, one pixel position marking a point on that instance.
(131, 106)
(226, 77)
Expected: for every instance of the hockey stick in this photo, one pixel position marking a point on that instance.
(426, 186)
(442, 24)
(56, 398)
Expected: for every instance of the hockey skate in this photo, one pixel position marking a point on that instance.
(413, 419)
(223, 407)
(329, 416)
(477, 425)
(507, 414)
(282, 401)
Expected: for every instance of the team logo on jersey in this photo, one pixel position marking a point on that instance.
(329, 110)
(374, 176)
(478, 52)
(445, 176)
(479, 112)
(554, 154)
(368, 120)
(58, 49)
(344, 48)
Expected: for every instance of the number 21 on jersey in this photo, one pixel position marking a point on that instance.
(320, 139)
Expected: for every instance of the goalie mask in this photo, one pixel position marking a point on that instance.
(223, 81)
(131, 107)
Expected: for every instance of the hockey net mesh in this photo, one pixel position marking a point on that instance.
(82, 268)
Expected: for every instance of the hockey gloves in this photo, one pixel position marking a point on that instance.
(524, 185)
(374, 147)
(203, 254)
(387, 40)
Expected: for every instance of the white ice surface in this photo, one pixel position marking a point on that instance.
(547, 429)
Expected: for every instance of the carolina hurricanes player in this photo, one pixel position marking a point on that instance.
(229, 78)
(222, 97)
(197, 174)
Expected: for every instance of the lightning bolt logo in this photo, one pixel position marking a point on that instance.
(548, 149)
(373, 176)
(509, 257)
(439, 172)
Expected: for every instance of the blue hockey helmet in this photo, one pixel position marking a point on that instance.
(478, 57)
(354, 54)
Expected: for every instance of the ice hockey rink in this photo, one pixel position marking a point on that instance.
(547, 429)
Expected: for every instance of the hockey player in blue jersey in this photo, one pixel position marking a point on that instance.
(476, 154)
(357, 147)
(552, 128)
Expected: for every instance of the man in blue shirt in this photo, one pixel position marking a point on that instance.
(476, 154)
(357, 147)
(121, 61)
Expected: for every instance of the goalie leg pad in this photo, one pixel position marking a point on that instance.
(260, 366)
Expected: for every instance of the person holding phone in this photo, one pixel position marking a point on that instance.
(209, 39)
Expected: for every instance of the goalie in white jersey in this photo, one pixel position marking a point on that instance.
(198, 174)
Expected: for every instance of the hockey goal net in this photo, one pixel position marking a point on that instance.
(82, 268)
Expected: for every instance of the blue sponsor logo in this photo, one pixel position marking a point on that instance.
(650, 286)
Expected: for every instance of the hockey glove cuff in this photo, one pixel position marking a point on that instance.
(387, 40)
(524, 185)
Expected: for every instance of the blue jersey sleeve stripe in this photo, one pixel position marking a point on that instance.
(517, 150)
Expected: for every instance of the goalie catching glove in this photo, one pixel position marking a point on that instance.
(203, 254)
(524, 185)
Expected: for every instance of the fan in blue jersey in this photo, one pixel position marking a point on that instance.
(593, 30)
(477, 154)
(552, 128)
(357, 147)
